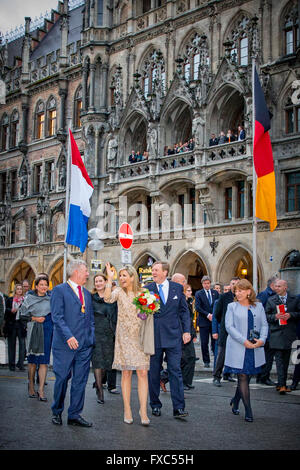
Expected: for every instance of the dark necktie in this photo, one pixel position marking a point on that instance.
(209, 297)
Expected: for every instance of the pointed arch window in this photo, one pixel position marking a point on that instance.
(51, 117)
(153, 72)
(78, 107)
(4, 132)
(14, 129)
(40, 120)
(240, 38)
(291, 31)
(196, 55)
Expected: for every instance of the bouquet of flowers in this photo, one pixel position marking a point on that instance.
(147, 303)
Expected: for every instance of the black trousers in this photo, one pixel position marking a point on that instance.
(110, 377)
(188, 361)
(267, 367)
(11, 342)
(282, 359)
(205, 333)
(219, 362)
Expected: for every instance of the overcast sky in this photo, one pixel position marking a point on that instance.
(13, 12)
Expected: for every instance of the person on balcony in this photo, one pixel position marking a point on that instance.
(132, 157)
(213, 140)
(222, 138)
(230, 137)
(241, 133)
(191, 144)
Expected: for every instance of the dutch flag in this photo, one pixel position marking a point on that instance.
(81, 189)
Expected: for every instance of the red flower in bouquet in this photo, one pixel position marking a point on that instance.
(146, 303)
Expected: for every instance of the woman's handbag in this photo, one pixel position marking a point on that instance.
(147, 335)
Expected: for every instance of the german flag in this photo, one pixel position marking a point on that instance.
(265, 207)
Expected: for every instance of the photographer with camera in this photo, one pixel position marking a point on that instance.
(247, 329)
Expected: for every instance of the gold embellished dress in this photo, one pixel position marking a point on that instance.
(128, 353)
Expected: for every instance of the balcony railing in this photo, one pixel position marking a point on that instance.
(226, 151)
(184, 161)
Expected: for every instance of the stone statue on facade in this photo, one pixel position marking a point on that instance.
(152, 140)
(198, 130)
(112, 149)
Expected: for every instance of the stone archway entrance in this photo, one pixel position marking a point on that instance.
(143, 267)
(192, 267)
(22, 271)
(237, 263)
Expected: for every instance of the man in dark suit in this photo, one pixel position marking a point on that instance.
(241, 133)
(171, 327)
(282, 335)
(219, 313)
(73, 339)
(213, 140)
(204, 303)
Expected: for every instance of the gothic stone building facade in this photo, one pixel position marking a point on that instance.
(145, 75)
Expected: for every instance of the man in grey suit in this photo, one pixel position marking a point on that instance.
(282, 335)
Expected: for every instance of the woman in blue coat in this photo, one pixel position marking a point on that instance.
(247, 329)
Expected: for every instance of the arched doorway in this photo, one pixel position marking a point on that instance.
(192, 267)
(228, 111)
(56, 274)
(22, 271)
(143, 267)
(237, 262)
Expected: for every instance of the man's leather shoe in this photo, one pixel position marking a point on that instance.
(267, 382)
(56, 419)
(79, 422)
(283, 390)
(294, 385)
(217, 383)
(156, 411)
(191, 387)
(180, 413)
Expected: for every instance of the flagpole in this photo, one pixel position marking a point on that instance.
(67, 200)
(254, 225)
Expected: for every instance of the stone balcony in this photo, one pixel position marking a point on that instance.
(180, 162)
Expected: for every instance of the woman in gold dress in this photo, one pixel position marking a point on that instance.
(128, 353)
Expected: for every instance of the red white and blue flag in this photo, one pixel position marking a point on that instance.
(81, 190)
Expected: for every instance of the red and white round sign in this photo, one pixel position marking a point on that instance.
(126, 236)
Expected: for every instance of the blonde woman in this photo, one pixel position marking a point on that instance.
(128, 353)
(247, 330)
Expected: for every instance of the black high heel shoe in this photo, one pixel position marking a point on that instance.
(234, 411)
(31, 395)
(41, 398)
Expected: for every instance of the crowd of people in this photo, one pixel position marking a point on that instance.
(245, 333)
(135, 157)
(181, 147)
(229, 137)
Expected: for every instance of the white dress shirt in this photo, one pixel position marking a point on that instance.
(165, 288)
(75, 287)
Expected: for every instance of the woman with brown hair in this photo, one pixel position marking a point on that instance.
(129, 355)
(247, 329)
(105, 328)
(36, 311)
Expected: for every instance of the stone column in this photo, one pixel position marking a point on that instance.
(92, 88)
(103, 96)
(84, 86)
(62, 113)
(234, 200)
